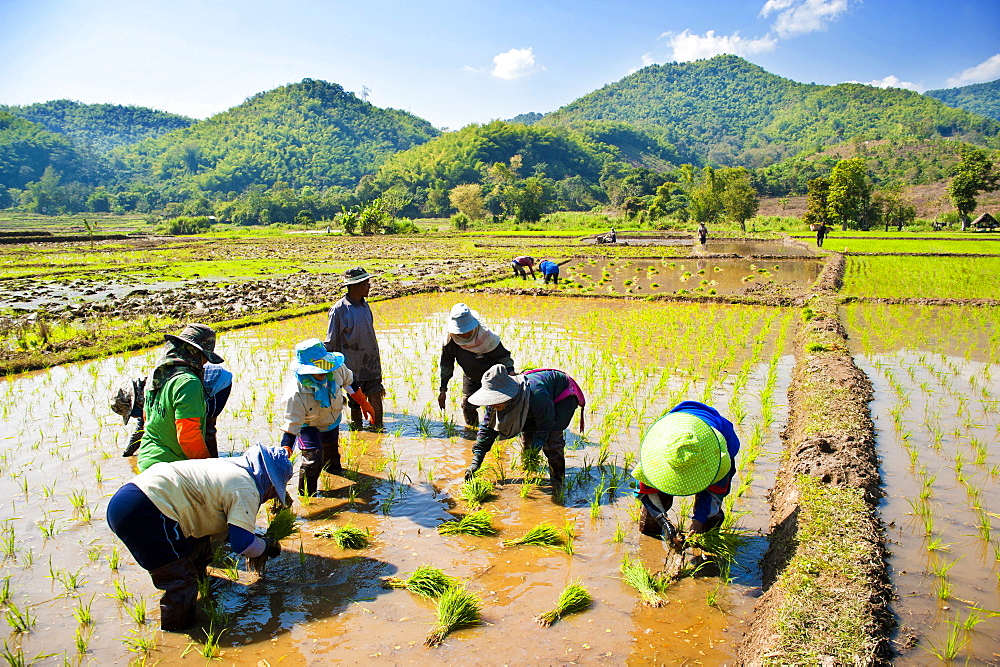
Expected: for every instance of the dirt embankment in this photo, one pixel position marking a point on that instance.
(827, 591)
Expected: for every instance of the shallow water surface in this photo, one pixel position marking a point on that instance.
(59, 464)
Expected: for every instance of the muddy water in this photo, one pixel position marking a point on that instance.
(937, 389)
(687, 276)
(317, 603)
(750, 249)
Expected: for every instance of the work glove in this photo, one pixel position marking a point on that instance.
(669, 532)
(272, 548)
(441, 399)
(366, 407)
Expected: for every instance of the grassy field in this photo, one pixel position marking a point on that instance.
(923, 277)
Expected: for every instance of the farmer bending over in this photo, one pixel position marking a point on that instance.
(689, 451)
(519, 263)
(537, 404)
(476, 349)
(351, 331)
(550, 271)
(175, 408)
(165, 512)
(314, 403)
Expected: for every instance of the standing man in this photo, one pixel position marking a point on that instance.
(702, 233)
(175, 411)
(351, 331)
(820, 234)
(519, 263)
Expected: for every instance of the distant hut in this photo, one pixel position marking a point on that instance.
(985, 221)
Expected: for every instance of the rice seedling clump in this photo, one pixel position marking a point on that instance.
(346, 537)
(573, 599)
(427, 581)
(543, 535)
(475, 523)
(650, 586)
(476, 491)
(457, 608)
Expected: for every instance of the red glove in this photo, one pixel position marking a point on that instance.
(366, 407)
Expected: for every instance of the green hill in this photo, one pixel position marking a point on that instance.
(729, 111)
(980, 98)
(100, 127)
(27, 149)
(311, 133)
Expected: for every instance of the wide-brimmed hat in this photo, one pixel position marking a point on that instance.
(682, 455)
(497, 387)
(278, 467)
(201, 337)
(462, 319)
(311, 357)
(354, 276)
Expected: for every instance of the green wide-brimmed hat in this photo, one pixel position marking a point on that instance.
(682, 455)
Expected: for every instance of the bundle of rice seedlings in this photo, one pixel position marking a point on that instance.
(346, 537)
(650, 587)
(475, 523)
(543, 535)
(427, 581)
(282, 525)
(722, 543)
(475, 491)
(457, 608)
(573, 599)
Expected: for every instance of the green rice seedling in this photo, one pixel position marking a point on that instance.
(650, 587)
(457, 608)
(138, 611)
(137, 642)
(531, 461)
(20, 620)
(81, 640)
(569, 534)
(619, 535)
(430, 582)
(543, 535)
(5, 590)
(954, 642)
(476, 491)
(230, 564)
(573, 599)
(281, 526)
(723, 543)
(121, 591)
(475, 523)
(114, 558)
(937, 544)
(942, 589)
(348, 536)
(210, 649)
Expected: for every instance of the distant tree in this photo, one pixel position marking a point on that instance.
(350, 218)
(816, 201)
(531, 199)
(100, 201)
(973, 174)
(706, 204)
(670, 199)
(892, 208)
(304, 217)
(468, 200)
(739, 199)
(850, 194)
(374, 218)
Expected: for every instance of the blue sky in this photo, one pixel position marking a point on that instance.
(455, 62)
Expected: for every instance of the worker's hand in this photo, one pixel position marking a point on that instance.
(441, 399)
(273, 548)
(697, 527)
(366, 407)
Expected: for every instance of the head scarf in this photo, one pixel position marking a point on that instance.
(322, 390)
(178, 357)
(482, 341)
(510, 420)
(253, 462)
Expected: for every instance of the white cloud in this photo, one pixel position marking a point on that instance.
(988, 70)
(892, 81)
(688, 46)
(798, 17)
(514, 64)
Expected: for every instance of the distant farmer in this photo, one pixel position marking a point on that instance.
(164, 514)
(519, 264)
(538, 405)
(175, 407)
(476, 349)
(689, 451)
(702, 233)
(314, 402)
(550, 271)
(351, 331)
(821, 235)
(612, 236)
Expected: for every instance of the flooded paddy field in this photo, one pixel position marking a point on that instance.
(71, 591)
(923, 277)
(937, 390)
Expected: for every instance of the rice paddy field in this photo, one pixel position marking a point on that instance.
(922, 277)
(72, 593)
(935, 373)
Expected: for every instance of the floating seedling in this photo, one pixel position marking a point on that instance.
(574, 599)
(542, 535)
(457, 608)
(650, 586)
(476, 491)
(346, 537)
(427, 581)
(475, 523)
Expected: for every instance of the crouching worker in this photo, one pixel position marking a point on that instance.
(314, 404)
(689, 451)
(538, 405)
(168, 513)
(550, 271)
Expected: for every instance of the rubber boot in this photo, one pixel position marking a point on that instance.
(557, 469)
(211, 437)
(179, 582)
(331, 451)
(309, 471)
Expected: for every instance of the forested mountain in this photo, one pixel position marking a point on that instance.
(100, 127)
(311, 133)
(731, 112)
(980, 98)
(27, 149)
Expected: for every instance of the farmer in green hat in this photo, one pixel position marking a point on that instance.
(174, 406)
(689, 451)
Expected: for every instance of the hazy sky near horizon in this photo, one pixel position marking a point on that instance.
(455, 62)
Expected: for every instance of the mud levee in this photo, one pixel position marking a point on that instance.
(827, 592)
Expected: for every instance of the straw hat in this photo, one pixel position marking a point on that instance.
(682, 455)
